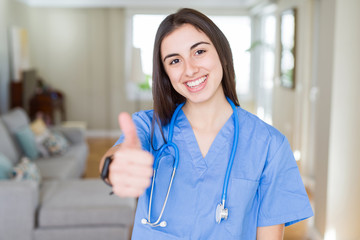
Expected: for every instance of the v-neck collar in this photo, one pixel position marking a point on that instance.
(218, 145)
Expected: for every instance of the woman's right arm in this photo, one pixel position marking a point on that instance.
(131, 169)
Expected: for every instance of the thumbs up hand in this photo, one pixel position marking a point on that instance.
(131, 169)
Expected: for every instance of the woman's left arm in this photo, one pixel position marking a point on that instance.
(275, 232)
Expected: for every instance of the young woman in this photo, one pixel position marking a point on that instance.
(235, 176)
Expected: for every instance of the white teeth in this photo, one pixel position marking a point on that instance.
(196, 83)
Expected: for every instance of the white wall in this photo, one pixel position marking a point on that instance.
(12, 13)
(337, 209)
(324, 76)
(4, 64)
(343, 209)
(291, 106)
(81, 52)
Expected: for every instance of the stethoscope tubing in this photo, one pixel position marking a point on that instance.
(156, 164)
(176, 163)
(233, 152)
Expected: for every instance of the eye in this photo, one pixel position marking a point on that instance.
(199, 52)
(174, 61)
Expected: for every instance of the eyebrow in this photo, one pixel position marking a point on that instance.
(191, 48)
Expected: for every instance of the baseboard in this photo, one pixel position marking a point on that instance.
(99, 133)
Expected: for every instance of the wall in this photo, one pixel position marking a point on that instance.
(4, 64)
(343, 209)
(325, 50)
(337, 212)
(81, 52)
(291, 106)
(12, 13)
(78, 51)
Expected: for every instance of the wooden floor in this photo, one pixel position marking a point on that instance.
(98, 147)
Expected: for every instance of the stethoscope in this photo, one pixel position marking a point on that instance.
(221, 211)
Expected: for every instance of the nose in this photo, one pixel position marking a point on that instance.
(191, 68)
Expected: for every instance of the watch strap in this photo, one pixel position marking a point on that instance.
(105, 170)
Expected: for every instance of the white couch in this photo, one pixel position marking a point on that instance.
(62, 205)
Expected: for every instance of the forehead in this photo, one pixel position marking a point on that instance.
(182, 38)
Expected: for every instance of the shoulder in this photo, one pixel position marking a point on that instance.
(143, 118)
(256, 129)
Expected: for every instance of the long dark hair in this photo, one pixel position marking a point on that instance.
(164, 95)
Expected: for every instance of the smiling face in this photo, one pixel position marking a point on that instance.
(192, 64)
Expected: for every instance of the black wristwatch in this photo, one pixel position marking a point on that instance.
(105, 170)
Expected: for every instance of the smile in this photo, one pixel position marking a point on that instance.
(195, 83)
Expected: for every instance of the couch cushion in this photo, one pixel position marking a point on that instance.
(5, 167)
(105, 232)
(57, 168)
(19, 201)
(83, 202)
(15, 120)
(7, 145)
(70, 165)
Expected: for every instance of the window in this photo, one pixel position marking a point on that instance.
(237, 29)
(144, 30)
(267, 68)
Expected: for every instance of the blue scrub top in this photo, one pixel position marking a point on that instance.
(265, 187)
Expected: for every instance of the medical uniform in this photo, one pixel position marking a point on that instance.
(265, 187)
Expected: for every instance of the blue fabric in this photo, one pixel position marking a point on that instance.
(5, 167)
(27, 142)
(265, 187)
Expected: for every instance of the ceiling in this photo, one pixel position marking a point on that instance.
(243, 4)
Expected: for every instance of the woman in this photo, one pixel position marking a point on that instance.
(263, 191)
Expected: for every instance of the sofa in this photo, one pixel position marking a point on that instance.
(61, 204)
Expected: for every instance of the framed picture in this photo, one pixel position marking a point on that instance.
(288, 48)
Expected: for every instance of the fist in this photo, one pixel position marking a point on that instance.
(131, 170)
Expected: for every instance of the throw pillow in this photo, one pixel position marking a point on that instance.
(25, 170)
(41, 132)
(56, 144)
(43, 152)
(38, 127)
(5, 167)
(27, 142)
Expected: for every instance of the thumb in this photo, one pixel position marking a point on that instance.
(128, 128)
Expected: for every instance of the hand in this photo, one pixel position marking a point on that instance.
(131, 169)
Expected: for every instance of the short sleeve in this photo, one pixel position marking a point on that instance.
(143, 125)
(283, 198)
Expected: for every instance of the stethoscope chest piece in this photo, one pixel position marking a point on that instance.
(221, 213)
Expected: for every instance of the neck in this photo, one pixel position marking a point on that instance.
(209, 114)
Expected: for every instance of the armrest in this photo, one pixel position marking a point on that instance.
(73, 134)
(18, 203)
